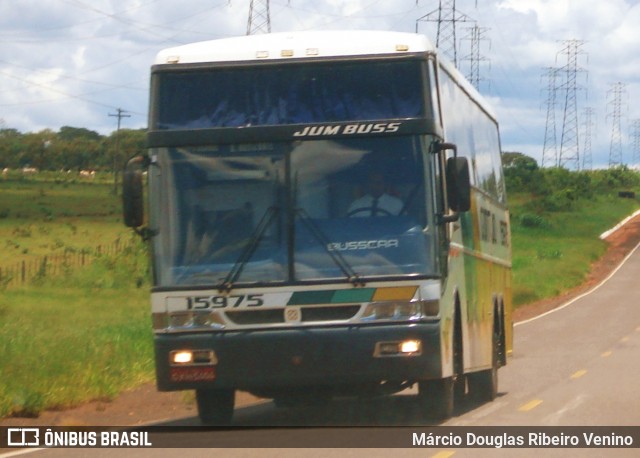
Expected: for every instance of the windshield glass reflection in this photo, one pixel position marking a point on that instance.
(287, 212)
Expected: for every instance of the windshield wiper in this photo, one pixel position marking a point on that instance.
(336, 256)
(250, 249)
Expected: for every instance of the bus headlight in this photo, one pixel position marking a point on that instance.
(187, 321)
(400, 311)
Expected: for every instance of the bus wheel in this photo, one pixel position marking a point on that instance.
(215, 407)
(436, 397)
(483, 385)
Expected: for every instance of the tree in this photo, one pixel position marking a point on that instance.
(68, 133)
(521, 172)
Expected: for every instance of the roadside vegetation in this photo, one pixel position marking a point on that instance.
(557, 217)
(72, 149)
(54, 213)
(85, 333)
(68, 339)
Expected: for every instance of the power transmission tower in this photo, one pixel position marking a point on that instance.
(447, 17)
(635, 141)
(550, 147)
(259, 17)
(116, 154)
(475, 36)
(616, 94)
(569, 155)
(587, 157)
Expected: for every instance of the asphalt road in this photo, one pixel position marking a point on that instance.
(576, 366)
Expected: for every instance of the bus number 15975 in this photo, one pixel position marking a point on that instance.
(232, 301)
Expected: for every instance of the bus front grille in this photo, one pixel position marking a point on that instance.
(307, 315)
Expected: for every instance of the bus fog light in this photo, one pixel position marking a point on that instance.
(192, 357)
(410, 346)
(181, 357)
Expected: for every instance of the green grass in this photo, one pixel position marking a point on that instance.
(80, 337)
(41, 217)
(553, 251)
(85, 333)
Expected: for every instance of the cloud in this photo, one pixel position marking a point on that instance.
(71, 62)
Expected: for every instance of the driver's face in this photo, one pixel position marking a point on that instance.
(376, 184)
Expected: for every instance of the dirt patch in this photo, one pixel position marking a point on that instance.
(142, 405)
(145, 404)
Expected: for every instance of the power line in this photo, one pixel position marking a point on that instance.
(569, 155)
(475, 36)
(550, 147)
(447, 17)
(52, 89)
(587, 157)
(616, 94)
(259, 17)
(635, 141)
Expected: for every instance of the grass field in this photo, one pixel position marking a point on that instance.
(82, 335)
(77, 337)
(86, 334)
(553, 252)
(44, 217)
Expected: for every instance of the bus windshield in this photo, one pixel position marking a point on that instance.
(292, 211)
(267, 95)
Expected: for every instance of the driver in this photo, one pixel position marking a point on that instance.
(377, 202)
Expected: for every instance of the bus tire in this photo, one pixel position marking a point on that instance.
(436, 398)
(215, 406)
(483, 385)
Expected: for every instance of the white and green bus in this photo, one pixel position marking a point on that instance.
(327, 217)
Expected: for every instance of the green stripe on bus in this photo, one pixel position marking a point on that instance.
(343, 296)
(310, 297)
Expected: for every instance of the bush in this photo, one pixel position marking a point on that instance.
(532, 220)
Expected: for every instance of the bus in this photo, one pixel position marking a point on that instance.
(327, 217)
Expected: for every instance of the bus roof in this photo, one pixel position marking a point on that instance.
(315, 44)
(296, 45)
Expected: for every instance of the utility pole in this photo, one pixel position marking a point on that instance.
(120, 114)
(447, 17)
(569, 144)
(616, 94)
(550, 147)
(259, 17)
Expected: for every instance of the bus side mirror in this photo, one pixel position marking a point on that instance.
(132, 192)
(458, 184)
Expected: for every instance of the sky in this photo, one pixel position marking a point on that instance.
(76, 62)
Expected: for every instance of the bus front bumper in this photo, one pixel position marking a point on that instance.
(322, 356)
